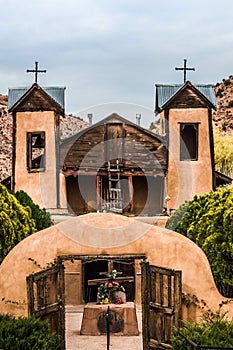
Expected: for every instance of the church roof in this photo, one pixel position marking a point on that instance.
(164, 93)
(57, 93)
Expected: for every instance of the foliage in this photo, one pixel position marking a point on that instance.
(15, 222)
(177, 216)
(208, 221)
(223, 149)
(40, 216)
(105, 291)
(213, 330)
(26, 333)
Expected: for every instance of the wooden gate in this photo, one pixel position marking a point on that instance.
(161, 305)
(46, 298)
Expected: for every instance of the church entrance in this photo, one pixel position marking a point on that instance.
(96, 272)
(161, 293)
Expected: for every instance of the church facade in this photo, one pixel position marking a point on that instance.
(114, 165)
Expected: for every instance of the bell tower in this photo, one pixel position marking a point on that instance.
(36, 116)
(186, 124)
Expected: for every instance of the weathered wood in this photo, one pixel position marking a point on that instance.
(46, 298)
(136, 147)
(131, 200)
(188, 99)
(98, 191)
(161, 309)
(97, 281)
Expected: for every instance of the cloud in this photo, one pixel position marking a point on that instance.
(106, 51)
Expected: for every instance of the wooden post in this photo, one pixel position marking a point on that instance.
(145, 304)
(98, 192)
(131, 201)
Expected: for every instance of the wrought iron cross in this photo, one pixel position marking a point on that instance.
(36, 71)
(185, 69)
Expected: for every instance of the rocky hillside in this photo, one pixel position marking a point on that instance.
(69, 126)
(5, 139)
(223, 117)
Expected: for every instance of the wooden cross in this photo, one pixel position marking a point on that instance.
(184, 69)
(98, 281)
(36, 71)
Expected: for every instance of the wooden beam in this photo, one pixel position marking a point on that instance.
(98, 192)
(131, 201)
(97, 281)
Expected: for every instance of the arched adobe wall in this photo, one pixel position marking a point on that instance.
(94, 234)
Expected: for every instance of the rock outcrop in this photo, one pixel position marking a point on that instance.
(223, 116)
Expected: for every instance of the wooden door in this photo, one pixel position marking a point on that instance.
(161, 305)
(114, 142)
(46, 298)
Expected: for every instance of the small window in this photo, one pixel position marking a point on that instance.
(189, 141)
(36, 151)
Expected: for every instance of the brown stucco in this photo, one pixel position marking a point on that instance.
(187, 178)
(41, 186)
(96, 234)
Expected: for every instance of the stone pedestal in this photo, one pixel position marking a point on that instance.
(94, 313)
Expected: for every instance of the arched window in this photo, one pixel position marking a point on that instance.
(188, 141)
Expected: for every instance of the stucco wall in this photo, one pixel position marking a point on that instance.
(187, 178)
(41, 186)
(96, 234)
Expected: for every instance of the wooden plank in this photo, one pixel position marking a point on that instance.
(96, 281)
(137, 145)
(30, 295)
(177, 298)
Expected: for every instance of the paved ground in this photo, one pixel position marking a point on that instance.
(75, 341)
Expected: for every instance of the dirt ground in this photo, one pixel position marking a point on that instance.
(75, 341)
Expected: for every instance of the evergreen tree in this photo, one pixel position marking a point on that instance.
(41, 217)
(16, 222)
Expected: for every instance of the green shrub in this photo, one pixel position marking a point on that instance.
(213, 330)
(15, 222)
(26, 334)
(208, 221)
(40, 216)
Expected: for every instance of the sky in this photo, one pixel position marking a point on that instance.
(109, 54)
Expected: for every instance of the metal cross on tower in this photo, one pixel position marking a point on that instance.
(36, 71)
(185, 69)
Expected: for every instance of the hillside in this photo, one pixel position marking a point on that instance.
(5, 139)
(223, 117)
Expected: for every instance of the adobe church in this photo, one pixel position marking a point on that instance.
(111, 167)
(114, 165)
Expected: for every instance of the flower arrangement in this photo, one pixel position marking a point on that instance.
(106, 291)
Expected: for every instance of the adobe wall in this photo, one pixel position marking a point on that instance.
(103, 234)
(40, 186)
(187, 178)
